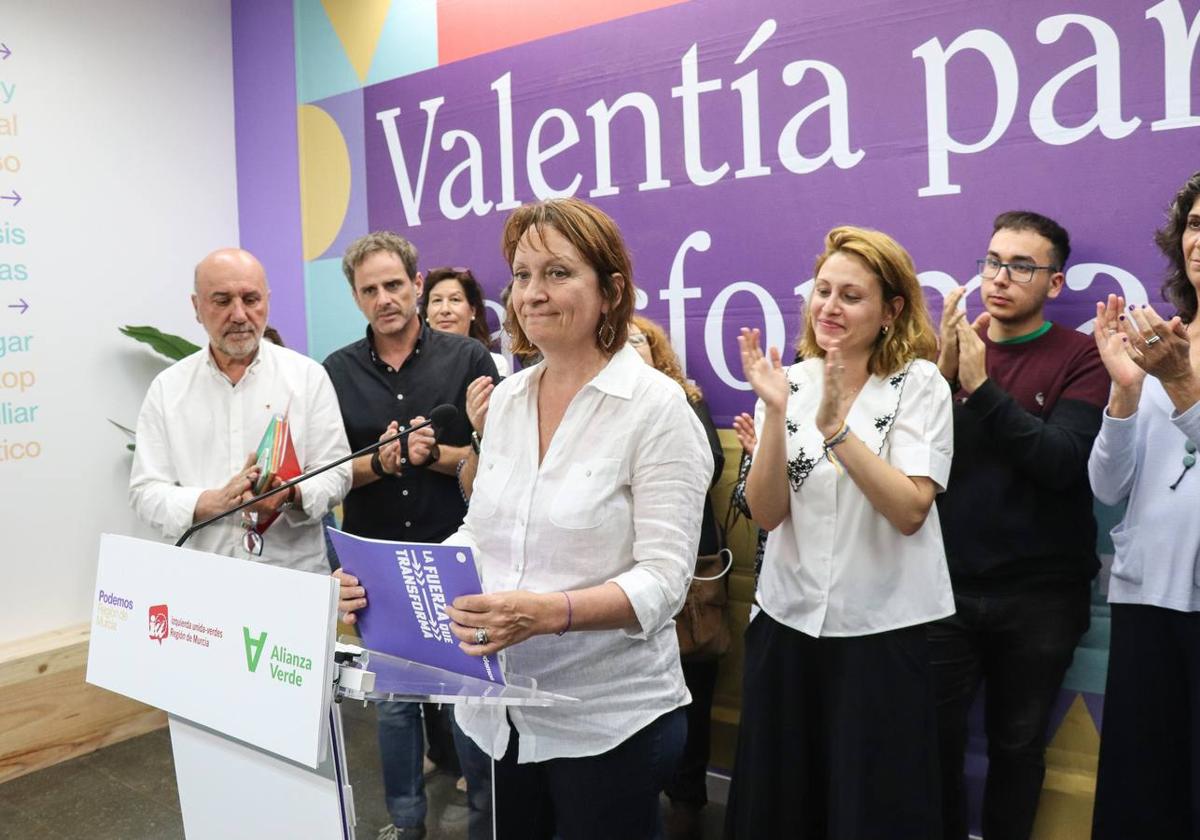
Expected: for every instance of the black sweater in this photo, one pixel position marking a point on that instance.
(1018, 509)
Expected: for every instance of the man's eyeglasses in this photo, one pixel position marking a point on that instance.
(252, 540)
(1018, 272)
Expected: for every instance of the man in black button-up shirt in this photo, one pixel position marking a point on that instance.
(399, 372)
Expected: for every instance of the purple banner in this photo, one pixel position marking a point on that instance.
(727, 137)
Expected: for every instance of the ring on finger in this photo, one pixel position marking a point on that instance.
(481, 636)
(1153, 339)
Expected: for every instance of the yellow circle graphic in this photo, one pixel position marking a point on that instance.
(324, 179)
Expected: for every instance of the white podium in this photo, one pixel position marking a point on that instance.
(240, 655)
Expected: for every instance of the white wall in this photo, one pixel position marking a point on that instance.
(126, 146)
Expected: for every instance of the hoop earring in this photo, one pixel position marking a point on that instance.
(607, 334)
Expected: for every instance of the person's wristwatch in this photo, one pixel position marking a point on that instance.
(476, 441)
(289, 503)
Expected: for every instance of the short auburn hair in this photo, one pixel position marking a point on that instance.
(596, 237)
(911, 336)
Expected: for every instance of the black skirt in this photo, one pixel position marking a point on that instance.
(838, 738)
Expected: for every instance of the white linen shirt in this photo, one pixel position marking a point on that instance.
(196, 428)
(619, 497)
(835, 566)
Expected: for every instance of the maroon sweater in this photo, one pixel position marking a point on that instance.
(1018, 509)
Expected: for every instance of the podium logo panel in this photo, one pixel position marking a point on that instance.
(165, 632)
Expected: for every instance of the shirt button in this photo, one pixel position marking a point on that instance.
(588, 473)
(399, 396)
(403, 492)
(407, 524)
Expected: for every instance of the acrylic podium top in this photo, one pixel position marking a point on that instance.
(403, 679)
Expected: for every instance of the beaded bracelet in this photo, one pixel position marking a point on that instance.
(840, 437)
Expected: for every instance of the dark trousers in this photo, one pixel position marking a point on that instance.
(1149, 779)
(1019, 646)
(440, 746)
(477, 769)
(689, 785)
(400, 745)
(600, 797)
(838, 738)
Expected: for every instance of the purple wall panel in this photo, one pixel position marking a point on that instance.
(264, 88)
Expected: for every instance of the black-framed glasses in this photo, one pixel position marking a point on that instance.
(252, 540)
(1019, 271)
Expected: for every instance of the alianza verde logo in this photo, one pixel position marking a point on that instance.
(285, 666)
(254, 648)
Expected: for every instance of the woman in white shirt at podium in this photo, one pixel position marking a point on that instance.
(584, 519)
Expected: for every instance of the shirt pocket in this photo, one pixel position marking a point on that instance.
(490, 480)
(583, 498)
(1127, 559)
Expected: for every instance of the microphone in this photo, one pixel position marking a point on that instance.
(441, 416)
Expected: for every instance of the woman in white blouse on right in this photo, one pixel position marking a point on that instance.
(838, 737)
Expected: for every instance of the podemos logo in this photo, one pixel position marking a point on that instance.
(158, 623)
(285, 665)
(111, 610)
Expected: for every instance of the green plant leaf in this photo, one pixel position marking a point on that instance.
(172, 346)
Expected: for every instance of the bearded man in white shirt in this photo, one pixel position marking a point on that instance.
(204, 416)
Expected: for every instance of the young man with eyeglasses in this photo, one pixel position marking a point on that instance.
(1017, 519)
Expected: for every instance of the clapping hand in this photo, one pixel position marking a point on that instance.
(1160, 348)
(765, 373)
(836, 398)
(972, 353)
(952, 316)
(420, 443)
(479, 397)
(389, 454)
(743, 427)
(1112, 340)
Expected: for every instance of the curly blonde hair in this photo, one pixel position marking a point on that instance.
(912, 335)
(665, 359)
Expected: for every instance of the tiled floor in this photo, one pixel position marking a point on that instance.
(127, 792)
